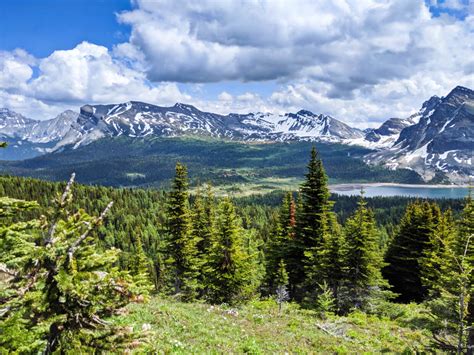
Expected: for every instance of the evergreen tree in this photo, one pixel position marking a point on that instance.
(312, 222)
(229, 269)
(435, 254)
(329, 266)
(203, 220)
(141, 265)
(61, 287)
(405, 254)
(466, 241)
(279, 247)
(315, 199)
(182, 244)
(453, 291)
(363, 259)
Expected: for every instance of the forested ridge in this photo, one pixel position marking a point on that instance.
(332, 255)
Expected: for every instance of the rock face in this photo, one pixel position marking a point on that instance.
(441, 141)
(438, 138)
(138, 119)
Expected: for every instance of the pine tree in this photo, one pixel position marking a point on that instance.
(405, 254)
(203, 219)
(61, 287)
(141, 265)
(315, 198)
(229, 269)
(466, 241)
(311, 223)
(434, 255)
(329, 265)
(279, 247)
(203, 229)
(363, 259)
(453, 291)
(182, 244)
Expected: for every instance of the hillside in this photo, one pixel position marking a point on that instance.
(257, 328)
(232, 166)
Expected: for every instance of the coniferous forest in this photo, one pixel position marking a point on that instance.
(84, 268)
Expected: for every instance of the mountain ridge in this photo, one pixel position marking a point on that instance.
(397, 142)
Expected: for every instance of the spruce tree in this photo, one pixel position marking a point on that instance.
(229, 268)
(61, 286)
(453, 291)
(315, 198)
(466, 241)
(182, 244)
(141, 265)
(328, 263)
(203, 220)
(435, 254)
(311, 223)
(363, 258)
(279, 247)
(405, 254)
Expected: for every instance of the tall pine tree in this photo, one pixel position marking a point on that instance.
(363, 259)
(311, 223)
(405, 254)
(182, 243)
(229, 268)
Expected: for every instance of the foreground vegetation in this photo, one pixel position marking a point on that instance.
(168, 326)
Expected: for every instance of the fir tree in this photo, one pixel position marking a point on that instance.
(203, 220)
(405, 254)
(454, 287)
(312, 222)
(466, 241)
(61, 287)
(363, 259)
(279, 247)
(182, 244)
(141, 265)
(329, 265)
(435, 254)
(315, 198)
(229, 270)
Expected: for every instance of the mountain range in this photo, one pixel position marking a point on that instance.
(438, 139)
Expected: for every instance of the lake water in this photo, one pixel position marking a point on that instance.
(422, 191)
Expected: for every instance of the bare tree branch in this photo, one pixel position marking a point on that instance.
(62, 201)
(72, 249)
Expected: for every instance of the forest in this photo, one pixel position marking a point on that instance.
(73, 257)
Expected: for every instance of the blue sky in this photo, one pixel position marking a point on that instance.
(43, 26)
(360, 61)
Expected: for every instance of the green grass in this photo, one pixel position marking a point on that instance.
(258, 328)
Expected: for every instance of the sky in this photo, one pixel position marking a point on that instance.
(360, 61)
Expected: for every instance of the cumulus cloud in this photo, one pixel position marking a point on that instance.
(361, 61)
(87, 73)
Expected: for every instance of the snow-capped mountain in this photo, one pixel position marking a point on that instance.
(442, 140)
(439, 137)
(138, 119)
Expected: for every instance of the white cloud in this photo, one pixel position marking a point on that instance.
(15, 69)
(361, 61)
(87, 73)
